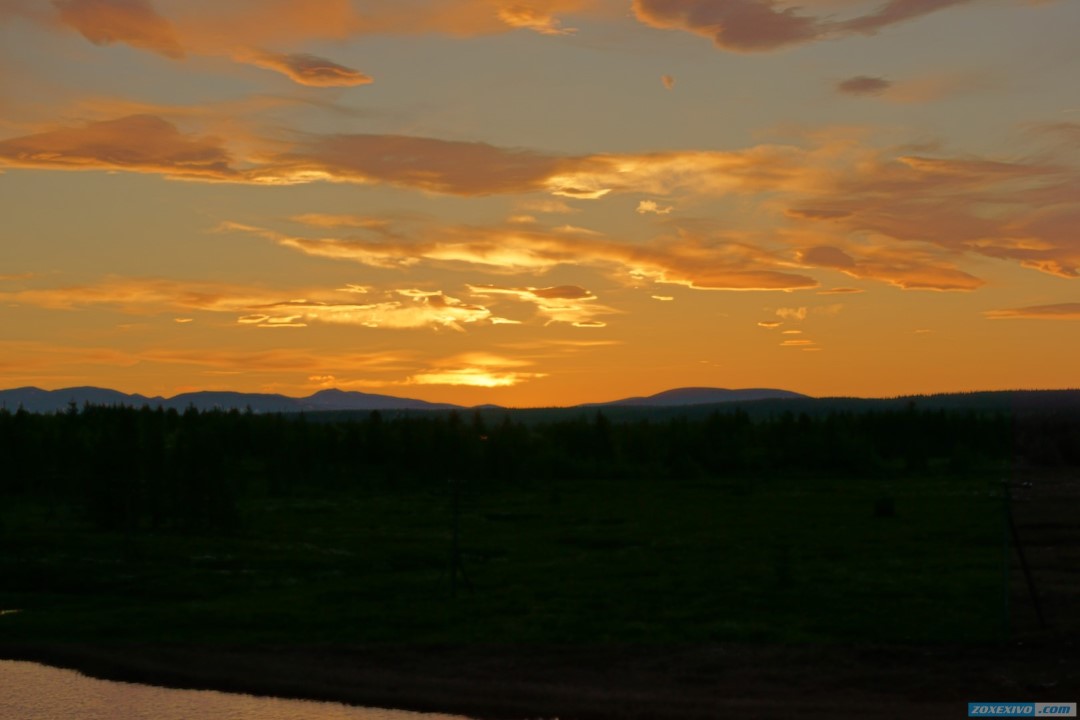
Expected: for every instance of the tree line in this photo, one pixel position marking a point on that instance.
(156, 469)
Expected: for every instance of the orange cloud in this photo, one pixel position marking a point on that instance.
(690, 261)
(519, 15)
(321, 220)
(132, 22)
(759, 168)
(908, 268)
(230, 29)
(1044, 240)
(140, 296)
(400, 309)
(742, 25)
(651, 206)
(563, 304)
(292, 22)
(763, 25)
(863, 85)
(138, 143)
(444, 166)
(1059, 311)
(816, 213)
(825, 256)
(840, 291)
(305, 69)
(1017, 210)
(423, 310)
(798, 313)
(193, 29)
(668, 81)
(476, 168)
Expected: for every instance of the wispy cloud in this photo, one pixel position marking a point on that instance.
(132, 22)
(137, 23)
(259, 307)
(701, 263)
(910, 269)
(764, 25)
(305, 69)
(863, 85)
(519, 15)
(568, 304)
(138, 143)
(741, 25)
(840, 291)
(651, 206)
(332, 222)
(749, 26)
(1058, 311)
(791, 313)
(416, 310)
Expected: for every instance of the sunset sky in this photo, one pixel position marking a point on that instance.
(540, 202)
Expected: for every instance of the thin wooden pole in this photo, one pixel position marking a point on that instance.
(1023, 560)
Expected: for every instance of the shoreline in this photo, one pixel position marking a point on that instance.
(600, 682)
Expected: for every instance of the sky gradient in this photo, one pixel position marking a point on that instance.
(540, 202)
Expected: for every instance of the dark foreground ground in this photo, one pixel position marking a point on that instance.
(757, 679)
(587, 683)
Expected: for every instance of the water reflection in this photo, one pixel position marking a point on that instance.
(29, 690)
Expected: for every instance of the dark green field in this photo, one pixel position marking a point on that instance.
(583, 561)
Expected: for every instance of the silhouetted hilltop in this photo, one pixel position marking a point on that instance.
(334, 399)
(34, 399)
(211, 400)
(701, 396)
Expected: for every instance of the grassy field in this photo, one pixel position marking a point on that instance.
(774, 560)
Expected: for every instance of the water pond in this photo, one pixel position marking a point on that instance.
(29, 691)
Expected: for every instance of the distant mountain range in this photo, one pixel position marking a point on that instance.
(38, 400)
(680, 401)
(35, 399)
